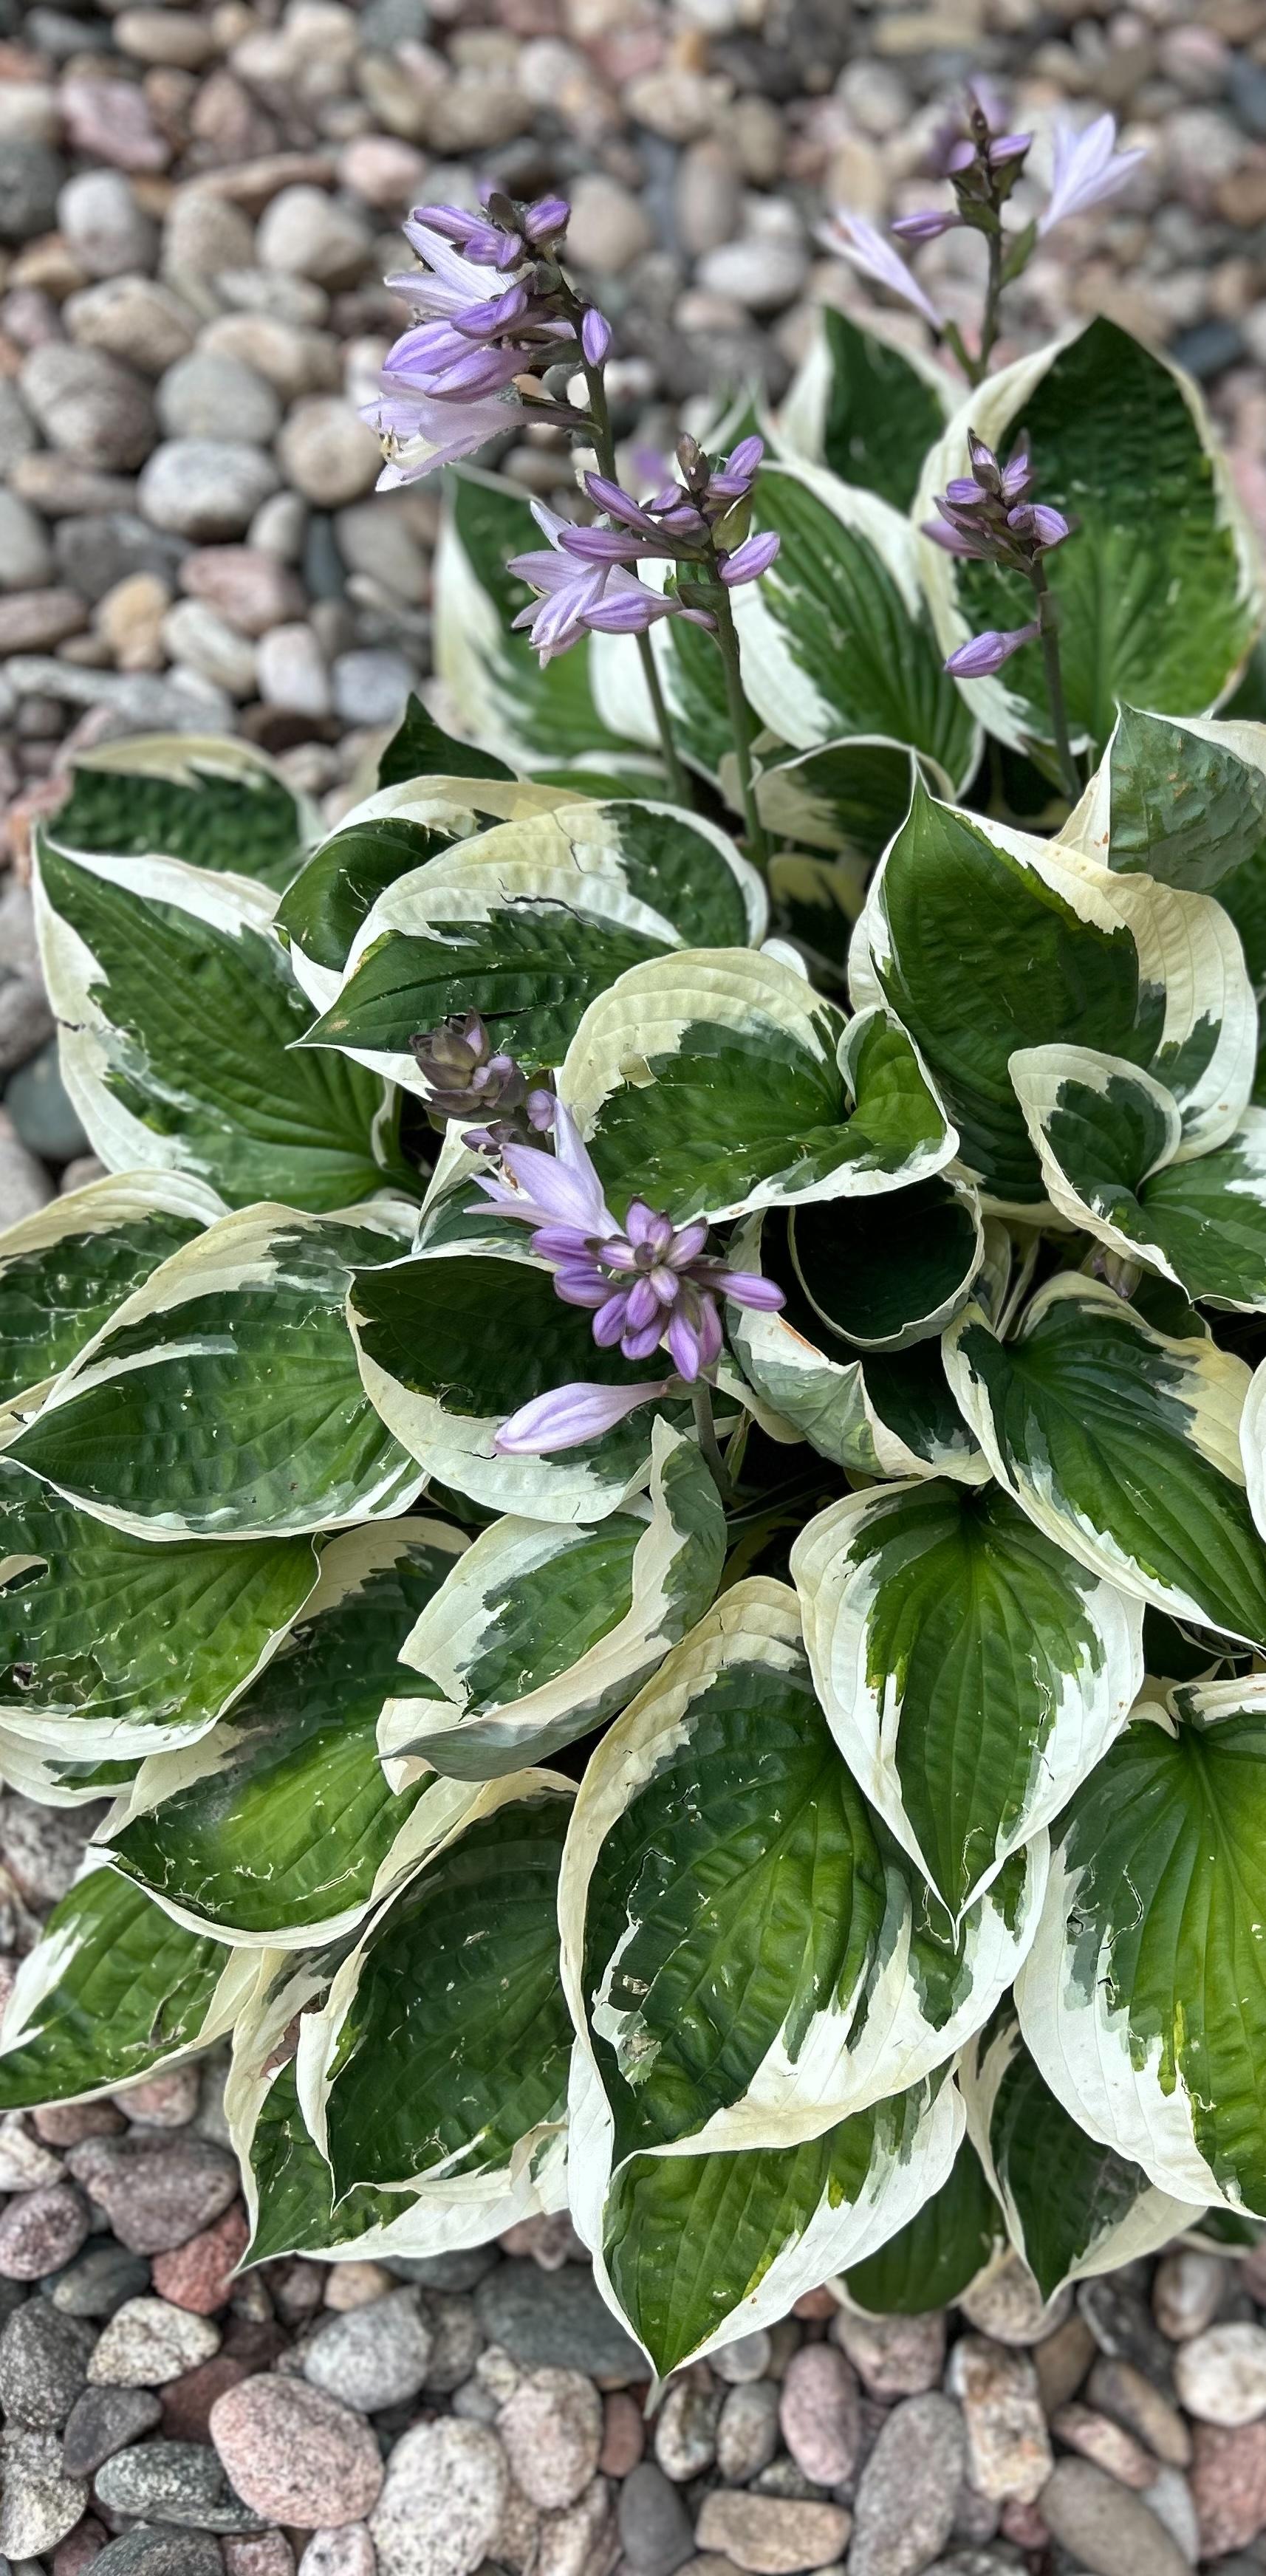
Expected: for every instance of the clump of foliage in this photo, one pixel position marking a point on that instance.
(645, 1485)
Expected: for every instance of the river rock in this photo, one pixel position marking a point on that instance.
(147, 2342)
(1220, 2376)
(328, 453)
(26, 560)
(893, 2356)
(686, 2425)
(103, 2421)
(1106, 2528)
(132, 317)
(156, 2191)
(654, 2527)
(1228, 2485)
(373, 2356)
(306, 232)
(551, 2429)
(294, 2454)
(770, 2536)
(747, 2430)
(208, 395)
(89, 404)
(908, 2489)
(176, 2482)
(441, 2502)
(1124, 2393)
(40, 2230)
(1187, 2292)
(1008, 2447)
(821, 2414)
(43, 2365)
(108, 232)
(39, 2505)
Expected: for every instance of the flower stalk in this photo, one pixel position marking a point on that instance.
(604, 450)
(1048, 636)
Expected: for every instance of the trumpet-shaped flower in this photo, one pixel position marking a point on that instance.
(1087, 167)
(852, 238)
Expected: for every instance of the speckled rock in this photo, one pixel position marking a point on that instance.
(43, 2365)
(441, 2502)
(198, 2274)
(147, 2342)
(39, 2504)
(294, 2454)
(1133, 2400)
(1220, 2376)
(204, 488)
(1108, 2444)
(821, 2414)
(373, 2356)
(41, 2230)
(583, 2541)
(769, 2535)
(89, 404)
(893, 2356)
(686, 2426)
(103, 2421)
(1008, 2447)
(1008, 2305)
(551, 2429)
(557, 2317)
(747, 2430)
(906, 2496)
(156, 2191)
(1228, 2485)
(347, 2552)
(175, 2482)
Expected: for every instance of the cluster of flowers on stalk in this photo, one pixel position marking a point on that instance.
(982, 168)
(650, 1284)
(585, 578)
(492, 308)
(990, 516)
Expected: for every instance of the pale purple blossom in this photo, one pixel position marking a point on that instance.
(569, 1415)
(648, 1284)
(928, 225)
(749, 560)
(989, 516)
(419, 433)
(575, 596)
(595, 336)
(985, 654)
(852, 238)
(1087, 168)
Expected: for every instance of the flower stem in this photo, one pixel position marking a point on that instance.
(604, 450)
(727, 638)
(1048, 621)
(989, 319)
(706, 1433)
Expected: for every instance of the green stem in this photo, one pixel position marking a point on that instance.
(1048, 622)
(727, 638)
(604, 450)
(706, 1433)
(989, 319)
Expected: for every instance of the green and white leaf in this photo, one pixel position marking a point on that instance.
(717, 1081)
(223, 1399)
(889, 1414)
(1179, 799)
(865, 404)
(1143, 1999)
(540, 1634)
(939, 2252)
(492, 680)
(1159, 589)
(452, 1343)
(1122, 1443)
(693, 2251)
(884, 1277)
(279, 1828)
(835, 638)
(459, 1972)
(420, 748)
(67, 1267)
(747, 1955)
(179, 1019)
(1109, 1139)
(390, 834)
(214, 801)
(971, 1673)
(112, 1647)
(531, 920)
(1121, 964)
(111, 1991)
(1073, 2207)
(848, 796)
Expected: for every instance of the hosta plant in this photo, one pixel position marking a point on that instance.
(641, 1495)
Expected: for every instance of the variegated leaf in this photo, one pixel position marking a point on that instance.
(1122, 964)
(179, 1019)
(971, 1672)
(279, 1828)
(938, 2253)
(65, 1269)
(112, 1990)
(1121, 1443)
(1073, 2207)
(1143, 2000)
(848, 796)
(716, 1081)
(214, 803)
(541, 1633)
(866, 405)
(223, 1399)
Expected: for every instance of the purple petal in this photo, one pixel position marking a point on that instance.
(546, 215)
(750, 560)
(748, 1288)
(684, 1344)
(583, 1285)
(595, 336)
(744, 459)
(986, 653)
(926, 226)
(953, 539)
(643, 1306)
(1009, 147)
(686, 1244)
(639, 1345)
(627, 612)
(608, 1323)
(561, 1243)
(570, 1415)
(618, 505)
(604, 545)
(710, 1337)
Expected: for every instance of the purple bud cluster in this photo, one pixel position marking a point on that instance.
(467, 1077)
(586, 582)
(990, 516)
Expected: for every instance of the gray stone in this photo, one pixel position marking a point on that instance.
(371, 686)
(462, 2270)
(24, 1185)
(908, 2489)
(41, 1109)
(140, 703)
(40, 2230)
(109, 233)
(291, 670)
(762, 276)
(1124, 2328)
(456, 2342)
(32, 176)
(26, 557)
(176, 2482)
(43, 2365)
(26, 1021)
(375, 540)
(551, 2430)
(99, 550)
(609, 226)
(39, 2505)
(132, 317)
(557, 2317)
(103, 2421)
(150, 2551)
(207, 644)
(654, 2526)
(205, 489)
(686, 2425)
(1107, 2528)
(211, 396)
(89, 404)
(1188, 2289)
(100, 2280)
(204, 234)
(748, 2357)
(1008, 2305)
(441, 2502)
(373, 2356)
(19, 436)
(25, 2164)
(308, 234)
(893, 2356)
(347, 2552)
(1123, 2392)
(43, 1847)
(747, 2430)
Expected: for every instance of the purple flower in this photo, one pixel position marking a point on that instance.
(585, 589)
(570, 1415)
(926, 226)
(1086, 168)
(852, 238)
(985, 654)
(987, 515)
(595, 336)
(749, 561)
(649, 1285)
(420, 433)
